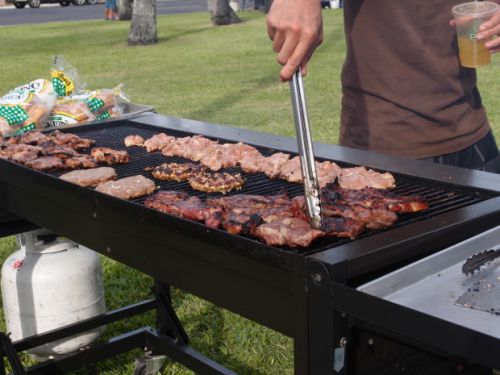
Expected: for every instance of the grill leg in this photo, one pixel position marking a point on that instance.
(9, 351)
(167, 321)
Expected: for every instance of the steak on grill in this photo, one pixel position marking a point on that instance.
(128, 187)
(90, 177)
(46, 163)
(181, 205)
(80, 161)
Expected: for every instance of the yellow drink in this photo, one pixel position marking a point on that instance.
(472, 52)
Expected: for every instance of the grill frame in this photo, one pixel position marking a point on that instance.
(243, 275)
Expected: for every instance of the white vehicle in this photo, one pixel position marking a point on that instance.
(36, 3)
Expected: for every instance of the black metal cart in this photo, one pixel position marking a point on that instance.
(313, 295)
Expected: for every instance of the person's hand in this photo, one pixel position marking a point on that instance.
(296, 29)
(490, 31)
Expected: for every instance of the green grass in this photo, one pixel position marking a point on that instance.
(225, 75)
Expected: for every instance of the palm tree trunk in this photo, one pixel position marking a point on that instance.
(124, 9)
(143, 25)
(221, 13)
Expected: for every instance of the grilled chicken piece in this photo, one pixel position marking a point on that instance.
(128, 187)
(61, 152)
(109, 156)
(273, 164)
(71, 140)
(133, 140)
(157, 142)
(33, 138)
(90, 177)
(80, 161)
(291, 170)
(360, 177)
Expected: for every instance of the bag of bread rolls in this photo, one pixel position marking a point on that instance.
(26, 108)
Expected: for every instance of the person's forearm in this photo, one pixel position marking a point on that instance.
(296, 29)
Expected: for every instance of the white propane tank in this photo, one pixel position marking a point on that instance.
(50, 283)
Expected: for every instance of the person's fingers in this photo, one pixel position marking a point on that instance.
(279, 39)
(452, 22)
(490, 32)
(271, 30)
(289, 45)
(492, 22)
(296, 59)
(492, 44)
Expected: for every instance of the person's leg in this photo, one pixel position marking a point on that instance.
(482, 155)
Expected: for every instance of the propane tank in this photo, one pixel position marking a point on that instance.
(48, 283)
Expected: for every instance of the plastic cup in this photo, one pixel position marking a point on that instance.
(468, 18)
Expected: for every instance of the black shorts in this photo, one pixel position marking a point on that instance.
(482, 155)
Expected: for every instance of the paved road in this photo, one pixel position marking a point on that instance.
(56, 13)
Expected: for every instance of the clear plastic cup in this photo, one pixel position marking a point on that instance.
(468, 18)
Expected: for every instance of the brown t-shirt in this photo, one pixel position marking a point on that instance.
(404, 91)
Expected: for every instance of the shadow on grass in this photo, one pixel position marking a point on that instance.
(181, 33)
(230, 99)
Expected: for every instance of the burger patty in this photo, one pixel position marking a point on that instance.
(216, 182)
(90, 177)
(176, 171)
(128, 187)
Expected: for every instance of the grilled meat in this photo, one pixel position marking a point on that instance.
(181, 205)
(176, 171)
(22, 157)
(34, 138)
(46, 163)
(372, 218)
(290, 232)
(133, 140)
(211, 182)
(61, 152)
(80, 161)
(128, 187)
(157, 142)
(342, 227)
(90, 177)
(360, 177)
(375, 198)
(109, 156)
(71, 140)
(273, 164)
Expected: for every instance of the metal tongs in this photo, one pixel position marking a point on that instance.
(479, 260)
(305, 147)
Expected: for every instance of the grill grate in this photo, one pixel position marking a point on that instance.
(441, 198)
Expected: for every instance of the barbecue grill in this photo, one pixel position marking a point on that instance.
(314, 295)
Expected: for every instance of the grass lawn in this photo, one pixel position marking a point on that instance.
(225, 75)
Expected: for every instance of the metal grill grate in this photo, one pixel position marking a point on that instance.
(441, 197)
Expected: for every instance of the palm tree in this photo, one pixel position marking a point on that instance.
(222, 13)
(124, 9)
(143, 25)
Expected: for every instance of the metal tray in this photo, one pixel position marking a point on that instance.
(434, 284)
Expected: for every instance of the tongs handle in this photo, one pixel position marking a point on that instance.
(305, 147)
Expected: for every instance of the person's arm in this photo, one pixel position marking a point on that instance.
(491, 30)
(296, 29)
